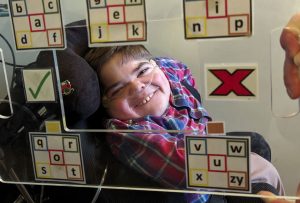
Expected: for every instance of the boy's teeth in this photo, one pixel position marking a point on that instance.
(147, 99)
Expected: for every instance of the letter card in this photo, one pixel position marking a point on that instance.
(57, 157)
(219, 18)
(219, 163)
(37, 24)
(116, 21)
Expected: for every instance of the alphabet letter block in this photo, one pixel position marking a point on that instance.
(19, 8)
(57, 157)
(218, 18)
(37, 24)
(116, 21)
(218, 162)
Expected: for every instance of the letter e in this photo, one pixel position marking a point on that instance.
(116, 15)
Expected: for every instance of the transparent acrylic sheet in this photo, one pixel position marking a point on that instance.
(18, 170)
(175, 23)
(108, 174)
(7, 112)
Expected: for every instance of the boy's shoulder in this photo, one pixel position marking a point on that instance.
(173, 69)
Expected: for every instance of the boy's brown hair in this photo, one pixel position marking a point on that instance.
(97, 57)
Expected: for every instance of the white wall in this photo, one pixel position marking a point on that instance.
(166, 38)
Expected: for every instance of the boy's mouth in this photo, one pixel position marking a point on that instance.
(146, 99)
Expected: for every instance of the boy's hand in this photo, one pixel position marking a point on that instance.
(290, 42)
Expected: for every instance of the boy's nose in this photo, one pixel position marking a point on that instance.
(136, 86)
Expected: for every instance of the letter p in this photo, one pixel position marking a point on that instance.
(238, 24)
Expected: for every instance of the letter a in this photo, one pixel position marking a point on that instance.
(37, 23)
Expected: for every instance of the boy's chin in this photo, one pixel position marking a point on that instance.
(154, 113)
(157, 110)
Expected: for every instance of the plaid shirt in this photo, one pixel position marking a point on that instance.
(161, 155)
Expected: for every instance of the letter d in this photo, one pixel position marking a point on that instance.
(24, 39)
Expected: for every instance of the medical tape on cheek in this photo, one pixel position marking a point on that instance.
(149, 82)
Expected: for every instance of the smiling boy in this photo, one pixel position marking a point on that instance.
(134, 89)
(143, 93)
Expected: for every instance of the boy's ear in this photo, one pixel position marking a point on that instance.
(105, 101)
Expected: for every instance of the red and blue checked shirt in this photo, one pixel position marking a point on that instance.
(161, 155)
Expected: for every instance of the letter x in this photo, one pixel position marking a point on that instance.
(199, 176)
(231, 82)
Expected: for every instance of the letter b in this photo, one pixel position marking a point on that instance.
(19, 8)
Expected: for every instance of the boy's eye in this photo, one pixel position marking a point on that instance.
(144, 71)
(115, 92)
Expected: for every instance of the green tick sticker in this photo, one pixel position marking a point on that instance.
(38, 85)
(36, 93)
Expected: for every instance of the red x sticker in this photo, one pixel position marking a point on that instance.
(232, 82)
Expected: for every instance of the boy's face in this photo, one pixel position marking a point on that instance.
(134, 88)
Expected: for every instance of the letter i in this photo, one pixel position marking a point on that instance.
(217, 7)
(100, 32)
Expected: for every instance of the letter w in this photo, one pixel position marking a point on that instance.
(236, 149)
